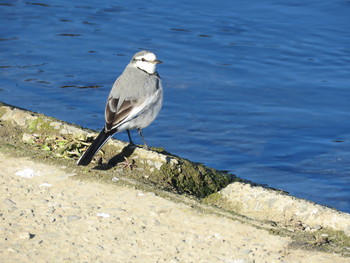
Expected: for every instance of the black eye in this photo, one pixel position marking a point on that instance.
(143, 59)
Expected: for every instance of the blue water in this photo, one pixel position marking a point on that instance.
(258, 88)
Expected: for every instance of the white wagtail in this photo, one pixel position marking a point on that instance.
(133, 103)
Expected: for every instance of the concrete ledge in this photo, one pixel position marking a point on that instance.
(180, 175)
(267, 204)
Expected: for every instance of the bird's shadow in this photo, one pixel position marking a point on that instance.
(119, 158)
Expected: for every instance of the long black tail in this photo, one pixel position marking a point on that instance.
(100, 140)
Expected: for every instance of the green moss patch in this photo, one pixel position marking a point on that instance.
(192, 178)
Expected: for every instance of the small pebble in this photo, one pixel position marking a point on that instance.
(104, 215)
(115, 179)
(318, 227)
(27, 173)
(45, 185)
(26, 235)
(246, 251)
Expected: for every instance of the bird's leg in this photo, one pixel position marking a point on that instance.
(127, 164)
(131, 142)
(143, 139)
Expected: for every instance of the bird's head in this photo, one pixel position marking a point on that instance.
(146, 61)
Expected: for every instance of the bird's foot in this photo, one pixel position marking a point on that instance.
(127, 164)
(145, 146)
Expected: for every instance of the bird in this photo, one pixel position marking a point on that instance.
(134, 102)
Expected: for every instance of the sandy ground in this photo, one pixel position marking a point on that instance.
(48, 217)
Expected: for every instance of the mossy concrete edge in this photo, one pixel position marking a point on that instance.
(155, 166)
(231, 194)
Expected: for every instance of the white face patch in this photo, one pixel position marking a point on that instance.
(147, 63)
(149, 67)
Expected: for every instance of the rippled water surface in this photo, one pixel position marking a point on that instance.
(258, 88)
